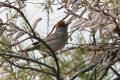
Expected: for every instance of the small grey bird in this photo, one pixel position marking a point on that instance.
(56, 41)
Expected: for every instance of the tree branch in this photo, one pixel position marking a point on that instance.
(33, 69)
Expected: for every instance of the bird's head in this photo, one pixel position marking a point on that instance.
(61, 25)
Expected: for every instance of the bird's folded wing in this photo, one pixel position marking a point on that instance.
(51, 37)
(47, 39)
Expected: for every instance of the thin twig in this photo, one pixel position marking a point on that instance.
(84, 71)
(33, 69)
(115, 71)
(76, 67)
(27, 59)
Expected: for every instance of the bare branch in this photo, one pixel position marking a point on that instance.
(27, 59)
(33, 69)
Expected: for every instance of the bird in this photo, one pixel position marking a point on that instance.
(55, 41)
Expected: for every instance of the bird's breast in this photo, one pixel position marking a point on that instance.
(59, 42)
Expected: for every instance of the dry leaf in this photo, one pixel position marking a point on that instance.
(36, 22)
(78, 22)
(108, 28)
(12, 26)
(19, 34)
(2, 29)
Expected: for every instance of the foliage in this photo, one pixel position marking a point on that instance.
(92, 51)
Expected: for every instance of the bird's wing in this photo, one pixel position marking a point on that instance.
(51, 37)
(47, 39)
